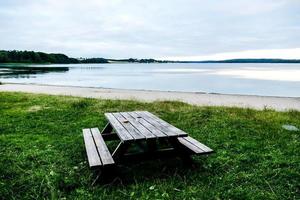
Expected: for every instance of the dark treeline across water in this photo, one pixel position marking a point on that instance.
(58, 58)
(9, 71)
(34, 57)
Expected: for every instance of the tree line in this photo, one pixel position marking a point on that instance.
(58, 58)
(34, 57)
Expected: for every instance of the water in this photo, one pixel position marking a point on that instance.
(253, 79)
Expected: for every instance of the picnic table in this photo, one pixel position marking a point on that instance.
(140, 128)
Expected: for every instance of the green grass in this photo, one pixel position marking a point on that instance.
(42, 155)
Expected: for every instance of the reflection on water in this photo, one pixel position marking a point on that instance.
(254, 79)
(27, 71)
(263, 74)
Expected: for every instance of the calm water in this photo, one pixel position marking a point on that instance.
(257, 79)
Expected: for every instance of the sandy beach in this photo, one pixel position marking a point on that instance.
(200, 99)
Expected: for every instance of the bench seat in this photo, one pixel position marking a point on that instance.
(96, 149)
(194, 146)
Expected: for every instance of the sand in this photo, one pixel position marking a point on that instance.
(200, 99)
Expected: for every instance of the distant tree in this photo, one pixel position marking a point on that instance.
(94, 60)
(3, 57)
(34, 57)
(132, 60)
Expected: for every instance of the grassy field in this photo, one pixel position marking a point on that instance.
(42, 154)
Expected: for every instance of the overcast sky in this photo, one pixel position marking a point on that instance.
(168, 29)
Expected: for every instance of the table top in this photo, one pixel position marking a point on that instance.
(139, 125)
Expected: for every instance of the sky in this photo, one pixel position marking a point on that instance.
(161, 29)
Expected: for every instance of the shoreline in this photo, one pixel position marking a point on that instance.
(194, 98)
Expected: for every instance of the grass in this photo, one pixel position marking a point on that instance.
(42, 154)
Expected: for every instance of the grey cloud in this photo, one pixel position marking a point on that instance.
(140, 28)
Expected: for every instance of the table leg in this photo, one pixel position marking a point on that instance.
(107, 129)
(107, 133)
(120, 150)
(98, 172)
(182, 151)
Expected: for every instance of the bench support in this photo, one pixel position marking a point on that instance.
(193, 146)
(99, 172)
(107, 129)
(182, 151)
(108, 134)
(120, 150)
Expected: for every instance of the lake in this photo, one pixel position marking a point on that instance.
(252, 79)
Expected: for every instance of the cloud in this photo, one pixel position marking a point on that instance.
(253, 7)
(140, 28)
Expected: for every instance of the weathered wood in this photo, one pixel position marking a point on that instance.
(129, 127)
(142, 127)
(156, 124)
(194, 145)
(190, 146)
(198, 144)
(91, 150)
(103, 151)
(172, 128)
(121, 131)
(138, 126)
(155, 131)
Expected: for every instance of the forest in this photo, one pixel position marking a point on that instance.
(34, 57)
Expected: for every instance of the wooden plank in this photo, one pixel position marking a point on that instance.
(155, 131)
(198, 144)
(130, 128)
(91, 151)
(159, 126)
(166, 124)
(138, 126)
(194, 145)
(189, 145)
(103, 151)
(121, 131)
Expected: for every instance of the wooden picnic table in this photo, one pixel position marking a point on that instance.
(143, 129)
